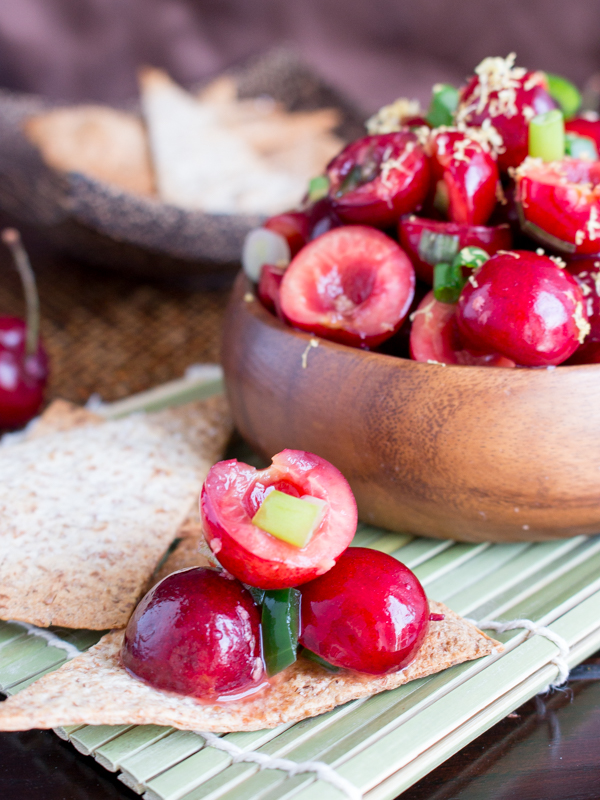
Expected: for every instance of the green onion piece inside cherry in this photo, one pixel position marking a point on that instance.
(565, 93)
(280, 628)
(12, 239)
(471, 257)
(318, 188)
(308, 654)
(291, 519)
(547, 136)
(580, 147)
(444, 101)
(435, 247)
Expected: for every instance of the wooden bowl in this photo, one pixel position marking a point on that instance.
(467, 453)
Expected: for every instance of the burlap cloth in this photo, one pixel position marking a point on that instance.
(109, 334)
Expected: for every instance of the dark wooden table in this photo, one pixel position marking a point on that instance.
(115, 335)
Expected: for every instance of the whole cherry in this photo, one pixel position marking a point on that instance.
(23, 359)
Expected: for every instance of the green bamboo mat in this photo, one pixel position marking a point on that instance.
(381, 744)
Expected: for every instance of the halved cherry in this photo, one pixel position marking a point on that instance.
(465, 177)
(507, 98)
(418, 238)
(369, 613)
(559, 203)
(353, 285)
(586, 272)
(232, 494)
(589, 128)
(434, 336)
(294, 226)
(269, 286)
(524, 306)
(376, 179)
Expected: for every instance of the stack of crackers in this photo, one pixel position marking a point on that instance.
(88, 509)
(210, 152)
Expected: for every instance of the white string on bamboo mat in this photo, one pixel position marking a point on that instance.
(560, 661)
(322, 770)
(51, 638)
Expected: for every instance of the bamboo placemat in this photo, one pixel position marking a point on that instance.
(385, 743)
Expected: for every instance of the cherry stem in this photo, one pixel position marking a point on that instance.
(12, 239)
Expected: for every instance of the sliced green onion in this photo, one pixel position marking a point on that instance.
(448, 282)
(262, 246)
(435, 247)
(565, 93)
(308, 654)
(280, 628)
(547, 136)
(444, 101)
(471, 257)
(318, 188)
(291, 519)
(580, 147)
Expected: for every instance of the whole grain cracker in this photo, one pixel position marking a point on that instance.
(95, 689)
(87, 513)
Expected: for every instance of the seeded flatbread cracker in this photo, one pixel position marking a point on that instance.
(99, 141)
(95, 689)
(86, 514)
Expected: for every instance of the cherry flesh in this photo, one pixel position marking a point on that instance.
(376, 179)
(411, 229)
(231, 496)
(22, 377)
(586, 272)
(369, 613)
(196, 633)
(294, 226)
(465, 176)
(507, 98)
(561, 200)
(353, 285)
(525, 307)
(434, 336)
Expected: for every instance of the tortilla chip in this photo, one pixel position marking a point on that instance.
(87, 513)
(99, 141)
(95, 689)
(223, 155)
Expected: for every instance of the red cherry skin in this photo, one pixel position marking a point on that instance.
(22, 377)
(269, 286)
(410, 230)
(294, 226)
(509, 97)
(524, 306)
(352, 285)
(561, 198)
(586, 272)
(322, 218)
(434, 336)
(376, 179)
(231, 496)
(585, 127)
(369, 613)
(468, 174)
(197, 633)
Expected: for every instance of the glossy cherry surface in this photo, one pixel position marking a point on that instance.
(585, 127)
(353, 285)
(411, 229)
(434, 336)
(586, 272)
(507, 98)
(22, 377)
(294, 226)
(269, 286)
(196, 633)
(560, 203)
(369, 613)
(464, 177)
(231, 496)
(525, 307)
(376, 179)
